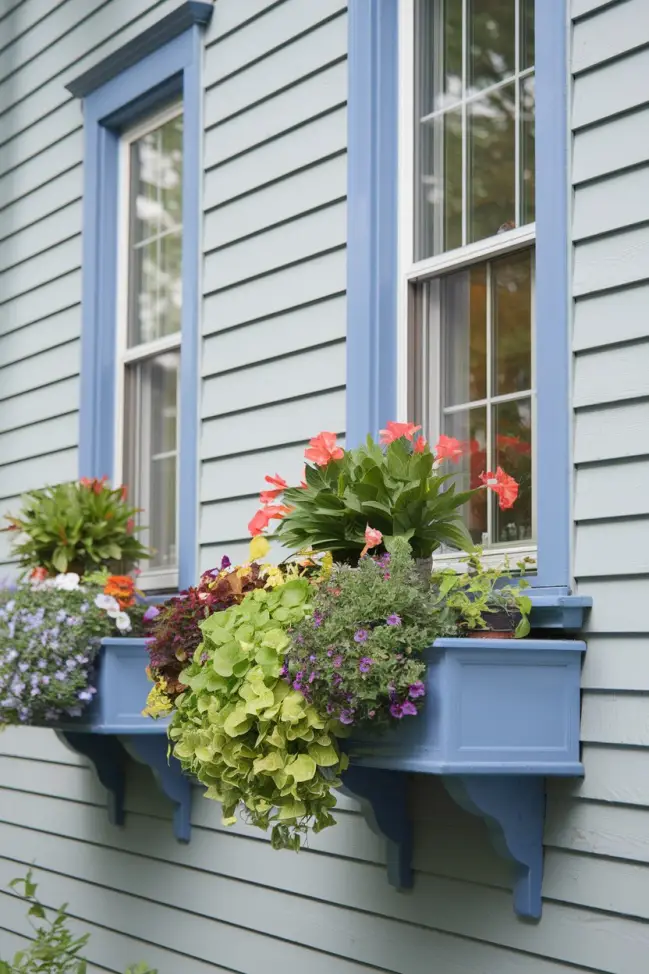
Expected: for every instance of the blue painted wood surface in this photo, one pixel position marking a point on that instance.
(493, 706)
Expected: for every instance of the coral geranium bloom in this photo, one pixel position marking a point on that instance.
(394, 431)
(420, 445)
(448, 448)
(323, 449)
(502, 484)
(372, 539)
(265, 515)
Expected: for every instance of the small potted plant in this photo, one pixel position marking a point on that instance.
(485, 602)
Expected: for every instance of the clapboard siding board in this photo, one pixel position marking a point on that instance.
(627, 196)
(617, 143)
(616, 31)
(50, 130)
(613, 88)
(612, 374)
(594, 317)
(39, 204)
(613, 431)
(41, 236)
(611, 490)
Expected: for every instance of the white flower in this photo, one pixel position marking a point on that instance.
(122, 622)
(108, 604)
(68, 581)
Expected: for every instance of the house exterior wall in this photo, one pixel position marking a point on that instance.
(273, 372)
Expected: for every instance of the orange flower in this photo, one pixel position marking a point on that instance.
(130, 526)
(503, 485)
(420, 445)
(372, 539)
(38, 574)
(394, 431)
(448, 448)
(323, 449)
(94, 483)
(265, 515)
(122, 588)
(123, 492)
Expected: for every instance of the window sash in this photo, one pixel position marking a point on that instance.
(128, 455)
(417, 344)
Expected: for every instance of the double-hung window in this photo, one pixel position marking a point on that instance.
(149, 333)
(467, 246)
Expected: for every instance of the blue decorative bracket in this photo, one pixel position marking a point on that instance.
(107, 758)
(513, 809)
(383, 796)
(107, 754)
(152, 750)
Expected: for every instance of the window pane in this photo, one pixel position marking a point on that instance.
(151, 426)
(491, 148)
(441, 184)
(512, 324)
(492, 42)
(464, 331)
(156, 237)
(528, 159)
(527, 34)
(512, 424)
(470, 428)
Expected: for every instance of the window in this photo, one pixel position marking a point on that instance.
(149, 333)
(468, 259)
(139, 409)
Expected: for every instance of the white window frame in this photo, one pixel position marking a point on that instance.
(412, 272)
(149, 580)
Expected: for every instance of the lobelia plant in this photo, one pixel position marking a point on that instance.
(358, 657)
(50, 633)
(253, 740)
(77, 527)
(395, 488)
(54, 949)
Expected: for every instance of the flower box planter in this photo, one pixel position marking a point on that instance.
(500, 715)
(112, 726)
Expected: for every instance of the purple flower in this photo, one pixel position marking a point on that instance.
(337, 679)
(61, 615)
(317, 620)
(35, 691)
(60, 675)
(365, 664)
(284, 670)
(396, 709)
(330, 652)
(23, 667)
(73, 621)
(408, 709)
(85, 695)
(151, 613)
(330, 708)
(338, 661)
(312, 676)
(313, 658)
(417, 689)
(45, 680)
(297, 685)
(225, 563)
(393, 620)
(360, 636)
(71, 664)
(299, 638)
(346, 717)
(84, 607)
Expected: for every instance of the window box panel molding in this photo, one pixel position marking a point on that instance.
(377, 341)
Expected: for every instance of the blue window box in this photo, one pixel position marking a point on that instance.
(493, 706)
(500, 716)
(112, 727)
(122, 691)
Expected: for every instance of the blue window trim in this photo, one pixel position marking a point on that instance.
(167, 72)
(372, 257)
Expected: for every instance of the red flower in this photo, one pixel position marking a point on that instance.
(123, 492)
(130, 526)
(373, 537)
(394, 431)
(503, 485)
(420, 445)
(38, 574)
(279, 485)
(448, 448)
(323, 449)
(265, 515)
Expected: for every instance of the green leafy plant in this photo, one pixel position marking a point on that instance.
(54, 949)
(245, 733)
(77, 527)
(358, 657)
(482, 592)
(396, 490)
